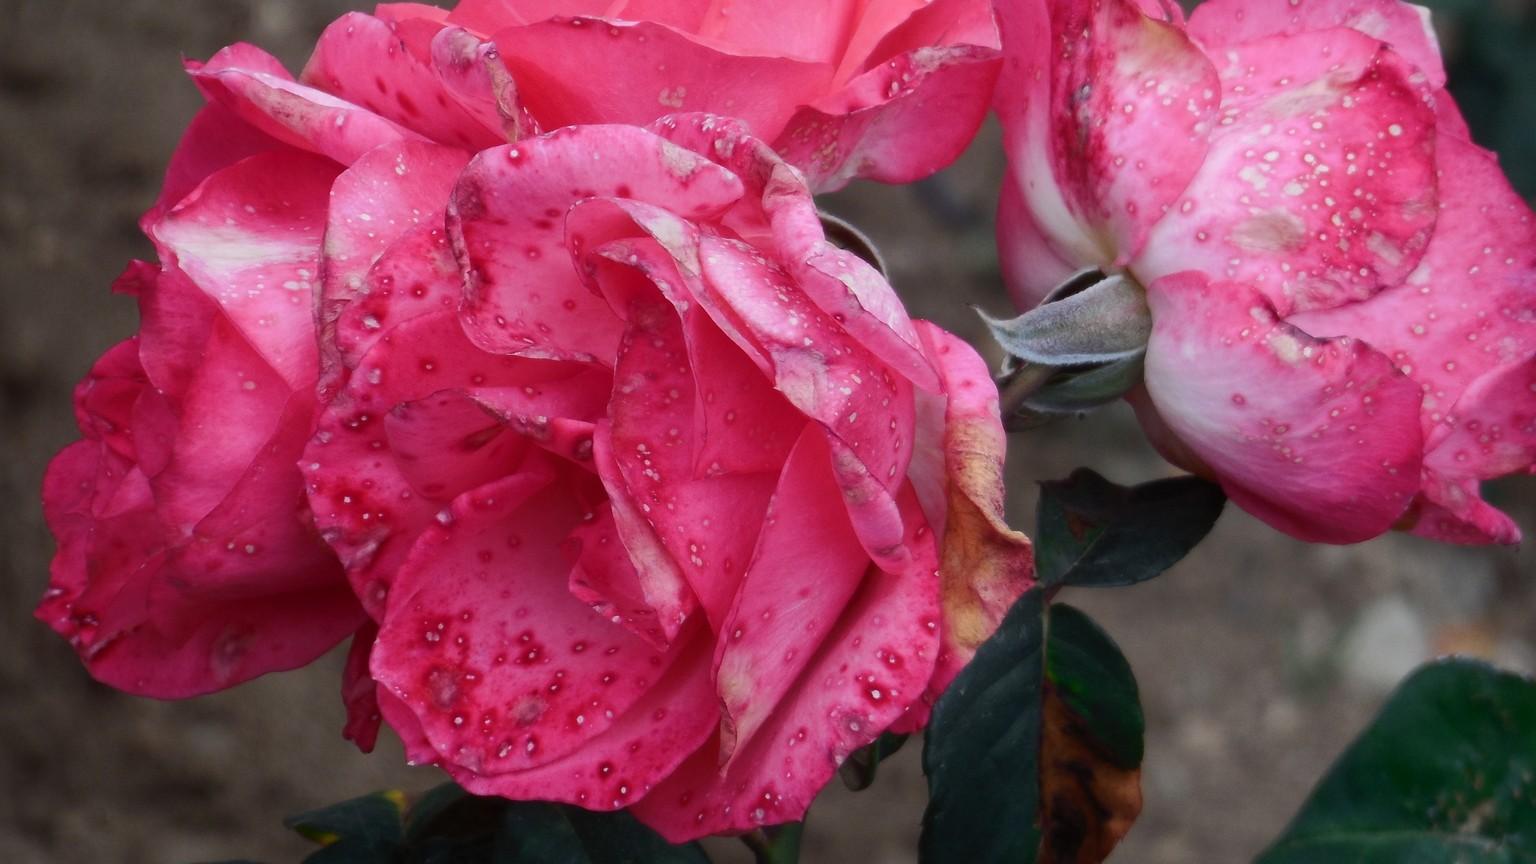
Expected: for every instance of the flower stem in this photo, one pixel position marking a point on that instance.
(776, 844)
(1025, 383)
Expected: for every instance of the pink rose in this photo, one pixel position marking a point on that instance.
(843, 88)
(187, 560)
(642, 480)
(1340, 283)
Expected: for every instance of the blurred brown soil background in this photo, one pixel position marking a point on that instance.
(1259, 657)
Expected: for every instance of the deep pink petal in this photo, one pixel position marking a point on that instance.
(839, 282)
(1406, 27)
(363, 60)
(1318, 437)
(591, 70)
(507, 218)
(359, 692)
(363, 499)
(472, 70)
(504, 669)
(606, 579)
(216, 139)
(1491, 432)
(256, 88)
(391, 192)
(928, 25)
(1107, 116)
(899, 122)
(867, 674)
(249, 237)
(1470, 305)
(415, 277)
(1319, 188)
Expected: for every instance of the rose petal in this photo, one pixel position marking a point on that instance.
(472, 71)
(253, 85)
(1494, 434)
(521, 294)
(359, 692)
(1107, 116)
(250, 238)
(363, 60)
(1470, 305)
(1404, 26)
(901, 121)
(866, 674)
(416, 276)
(985, 565)
(362, 501)
(1319, 188)
(1318, 437)
(1031, 267)
(593, 70)
(486, 645)
(216, 139)
(390, 192)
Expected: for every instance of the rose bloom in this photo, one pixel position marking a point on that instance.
(1340, 282)
(643, 481)
(645, 495)
(843, 88)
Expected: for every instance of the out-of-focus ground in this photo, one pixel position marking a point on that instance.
(1259, 657)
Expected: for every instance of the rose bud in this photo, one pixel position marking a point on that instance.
(1268, 227)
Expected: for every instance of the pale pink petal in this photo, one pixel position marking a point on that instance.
(592, 70)
(1470, 305)
(1318, 437)
(867, 674)
(364, 60)
(1319, 188)
(1455, 512)
(1107, 116)
(1218, 24)
(503, 668)
(257, 89)
(901, 121)
(249, 237)
(1031, 266)
(507, 219)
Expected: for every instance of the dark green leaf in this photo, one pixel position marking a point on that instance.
(537, 833)
(1092, 532)
(981, 752)
(1091, 741)
(363, 830)
(776, 844)
(860, 769)
(1034, 752)
(1447, 772)
(1095, 683)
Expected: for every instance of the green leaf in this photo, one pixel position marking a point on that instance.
(1447, 772)
(363, 830)
(982, 749)
(532, 832)
(1034, 752)
(1094, 533)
